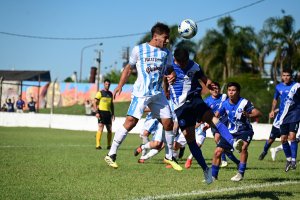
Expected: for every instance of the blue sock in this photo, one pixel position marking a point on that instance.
(223, 157)
(224, 132)
(197, 153)
(267, 146)
(242, 168)
(215, 171)
(287, 150)
(232, 157)
(294, 149)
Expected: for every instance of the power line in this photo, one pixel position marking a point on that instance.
(121, 36)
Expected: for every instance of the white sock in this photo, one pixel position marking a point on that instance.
(169, 140)
(147, 146)
(278, 148)
(190, 156)
(119, 137)
(145, 139)
(150, 154)
(175, 154)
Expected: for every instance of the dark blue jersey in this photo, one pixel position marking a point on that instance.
(237, 122)
(281, 92)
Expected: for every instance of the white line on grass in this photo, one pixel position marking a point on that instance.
(195, 193)
(43, 146)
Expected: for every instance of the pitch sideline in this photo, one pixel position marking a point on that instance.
(194, 193)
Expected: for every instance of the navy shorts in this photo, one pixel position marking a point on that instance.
(285, 129)
(275, 133)
(245, 136)
(105, 117)
(191, 111)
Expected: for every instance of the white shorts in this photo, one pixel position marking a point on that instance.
(158, 105)
(158, 134)
(150, 125)
(199, 135)
(180, 139)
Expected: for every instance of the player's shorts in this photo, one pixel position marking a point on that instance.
(180, 139)
(285, 129)
(105, 117)
(158, 105)
(245, 136)
(150, 125)
(200, 134)
(275, 133)
(191, 111)
(158, 134)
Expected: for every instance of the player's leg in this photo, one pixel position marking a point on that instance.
(275, 132)
(284, 129)
(109, 135)
(99, 134)
(215, 167)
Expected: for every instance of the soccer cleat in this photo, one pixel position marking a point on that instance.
(108, 147)
(207, 176)
(173, 163)
(293, 165)
(181, 152)
(288, 166)
(237, 145)
(110, 160)
(262, 155)
(141, 161)
(273, 153)
(224, 163)
(188, 163)
(237, 177)
(168, 166)
(137, 151)
(98, 148)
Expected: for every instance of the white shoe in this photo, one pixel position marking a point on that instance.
(273, 153)
(208, 176)
(237, 145)
(237, 177)
(224, 163)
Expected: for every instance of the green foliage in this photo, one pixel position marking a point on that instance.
(38, 163)
(115, 76)
(68, 80)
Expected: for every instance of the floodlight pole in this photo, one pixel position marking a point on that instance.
(81, 57)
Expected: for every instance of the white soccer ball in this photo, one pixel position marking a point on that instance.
(187, 29)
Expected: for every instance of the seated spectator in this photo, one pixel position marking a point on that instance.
(88, 107)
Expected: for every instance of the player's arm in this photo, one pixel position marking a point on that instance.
(112, 107)
(254, 113)
(124, 77)
(273, 108)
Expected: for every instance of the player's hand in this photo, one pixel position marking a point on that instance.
(113, 118)
(171, 77)
(271, 114)
(117, 91)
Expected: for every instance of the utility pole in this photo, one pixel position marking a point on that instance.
(99, 67)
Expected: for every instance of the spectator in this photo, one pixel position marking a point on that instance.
(20, 104)
(4, 108)
(88, 107)
(10, 104)
(32, 106)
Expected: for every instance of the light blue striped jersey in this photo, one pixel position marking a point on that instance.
(151, 63)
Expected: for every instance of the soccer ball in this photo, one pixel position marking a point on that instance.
(187, 29)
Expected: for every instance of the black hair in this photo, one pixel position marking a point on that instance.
(234, 84)
(287, 70)
(217, 84)
(106, 80)
(160, 28)
(181, 55)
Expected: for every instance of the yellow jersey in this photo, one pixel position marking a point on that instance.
(105, 100)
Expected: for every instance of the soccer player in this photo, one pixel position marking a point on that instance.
(238, 110)
(20, 104)
(190, 107)
(214, 101)
(105, 113)
(151, 61)
(281, 92)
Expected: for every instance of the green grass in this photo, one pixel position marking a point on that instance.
(40, 163)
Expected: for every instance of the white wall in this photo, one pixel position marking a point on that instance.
(89, 123)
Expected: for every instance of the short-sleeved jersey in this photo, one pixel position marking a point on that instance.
(215, 103)
(291, 111)
(31, 106)
(237, 122)
(186, 83)
(105, 100)
(151, 63)
(20, 104)
(281, 92)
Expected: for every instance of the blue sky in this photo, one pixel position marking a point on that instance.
(95, 18)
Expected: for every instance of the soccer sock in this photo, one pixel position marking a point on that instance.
(294, 149)
(145, 139)
(223, 157)
(119, 137)
(150, 154)
(146, 146)
(215, 171)
(232, 157)
(175, 154)
(109, 136)
(98, 138)
(267, 146)
(287, 151)
(197, 153)
(169, 140)
(224, 132)
(190, 156)
(242, 168)
(278, 148)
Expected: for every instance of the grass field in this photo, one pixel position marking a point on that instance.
(59, 164)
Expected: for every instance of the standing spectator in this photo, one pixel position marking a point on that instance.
(105, 113)
(20, 104)
(88, 107)
(10, 104)
(31, 105)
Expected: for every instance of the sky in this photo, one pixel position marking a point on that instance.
(76, 24)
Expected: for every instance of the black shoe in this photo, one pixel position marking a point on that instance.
(262, 155)
(288, 166)
(181, 152)
(108, 147)
(99, 147)
(293, 165)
